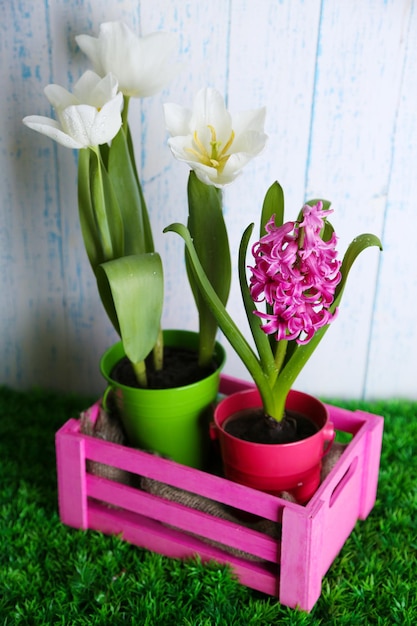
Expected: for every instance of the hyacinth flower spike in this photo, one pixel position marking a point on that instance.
(298, 277)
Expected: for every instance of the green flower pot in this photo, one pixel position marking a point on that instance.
(171, 422)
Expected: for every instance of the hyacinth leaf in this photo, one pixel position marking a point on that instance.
(273, 205)
(208, 231)
(261, 340)
(137, 288)
(124, 182)
(327, 231)
(225, 322)
(302, 353)
(358, 245)
(106, 209)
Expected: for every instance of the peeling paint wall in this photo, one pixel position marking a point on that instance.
(339, 82)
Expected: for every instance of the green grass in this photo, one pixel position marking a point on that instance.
(52, 574)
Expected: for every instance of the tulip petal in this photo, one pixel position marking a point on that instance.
(51, 128)
(177, 119)
(91, 48)
(142, 65)
(214, 144)
(59, 97)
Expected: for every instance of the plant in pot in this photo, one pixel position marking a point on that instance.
(272, 437)
(161, 381)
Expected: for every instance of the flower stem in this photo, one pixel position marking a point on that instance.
(125, 111)
(280, 353)
(140, 372)
(158, 352)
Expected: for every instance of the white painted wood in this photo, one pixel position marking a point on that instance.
(393, 338)
(338, 80)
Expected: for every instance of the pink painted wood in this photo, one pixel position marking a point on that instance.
(291, 569)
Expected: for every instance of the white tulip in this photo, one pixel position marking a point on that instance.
(212, 142)
(142, 65)
(89, 117)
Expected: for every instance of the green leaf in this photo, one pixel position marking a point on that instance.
(273, 204)
(106, 209)
(358, 245)
(145, 215)
(125, 184)
(208, 231)
(261, 339)
(302, 353)
(88, 224)
(225, 322)
(136, 284)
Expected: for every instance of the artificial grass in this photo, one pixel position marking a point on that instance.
(52, 574)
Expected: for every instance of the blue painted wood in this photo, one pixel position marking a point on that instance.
(338, 80)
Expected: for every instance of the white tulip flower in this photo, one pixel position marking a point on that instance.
(89, 117)
(142, 65)
(212, 142)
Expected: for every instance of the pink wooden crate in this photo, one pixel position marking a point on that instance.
(291, 568)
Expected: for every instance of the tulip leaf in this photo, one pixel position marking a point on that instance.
(124, 182)
(145, 216)
(208, 231)
(136, 285)
(106, 208)
(86, 212)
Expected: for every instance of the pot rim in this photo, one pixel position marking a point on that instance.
(325, 432)
(220, 353)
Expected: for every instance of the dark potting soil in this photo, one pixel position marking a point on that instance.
(180, 368)
(253, 425)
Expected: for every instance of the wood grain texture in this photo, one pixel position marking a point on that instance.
(339, 83)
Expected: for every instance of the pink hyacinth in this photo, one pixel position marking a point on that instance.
(296, 273)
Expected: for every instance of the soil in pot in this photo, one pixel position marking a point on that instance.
(180, 368)
(253, 425)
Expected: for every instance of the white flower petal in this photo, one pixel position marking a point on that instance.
(177, 119)
(59, 97)
(96, 91)
(91, 48)
(250, 142)
(156, 66)
(77, 121)
(107, 122)
(52, 129)
(210, 110)
(215, 145)
(91, 127)
(249, 120)
(236, 163)
(142, 65)
(207, 175)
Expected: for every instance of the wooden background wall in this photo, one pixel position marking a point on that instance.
(339, 79)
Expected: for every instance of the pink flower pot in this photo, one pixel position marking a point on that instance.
(274, 468)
